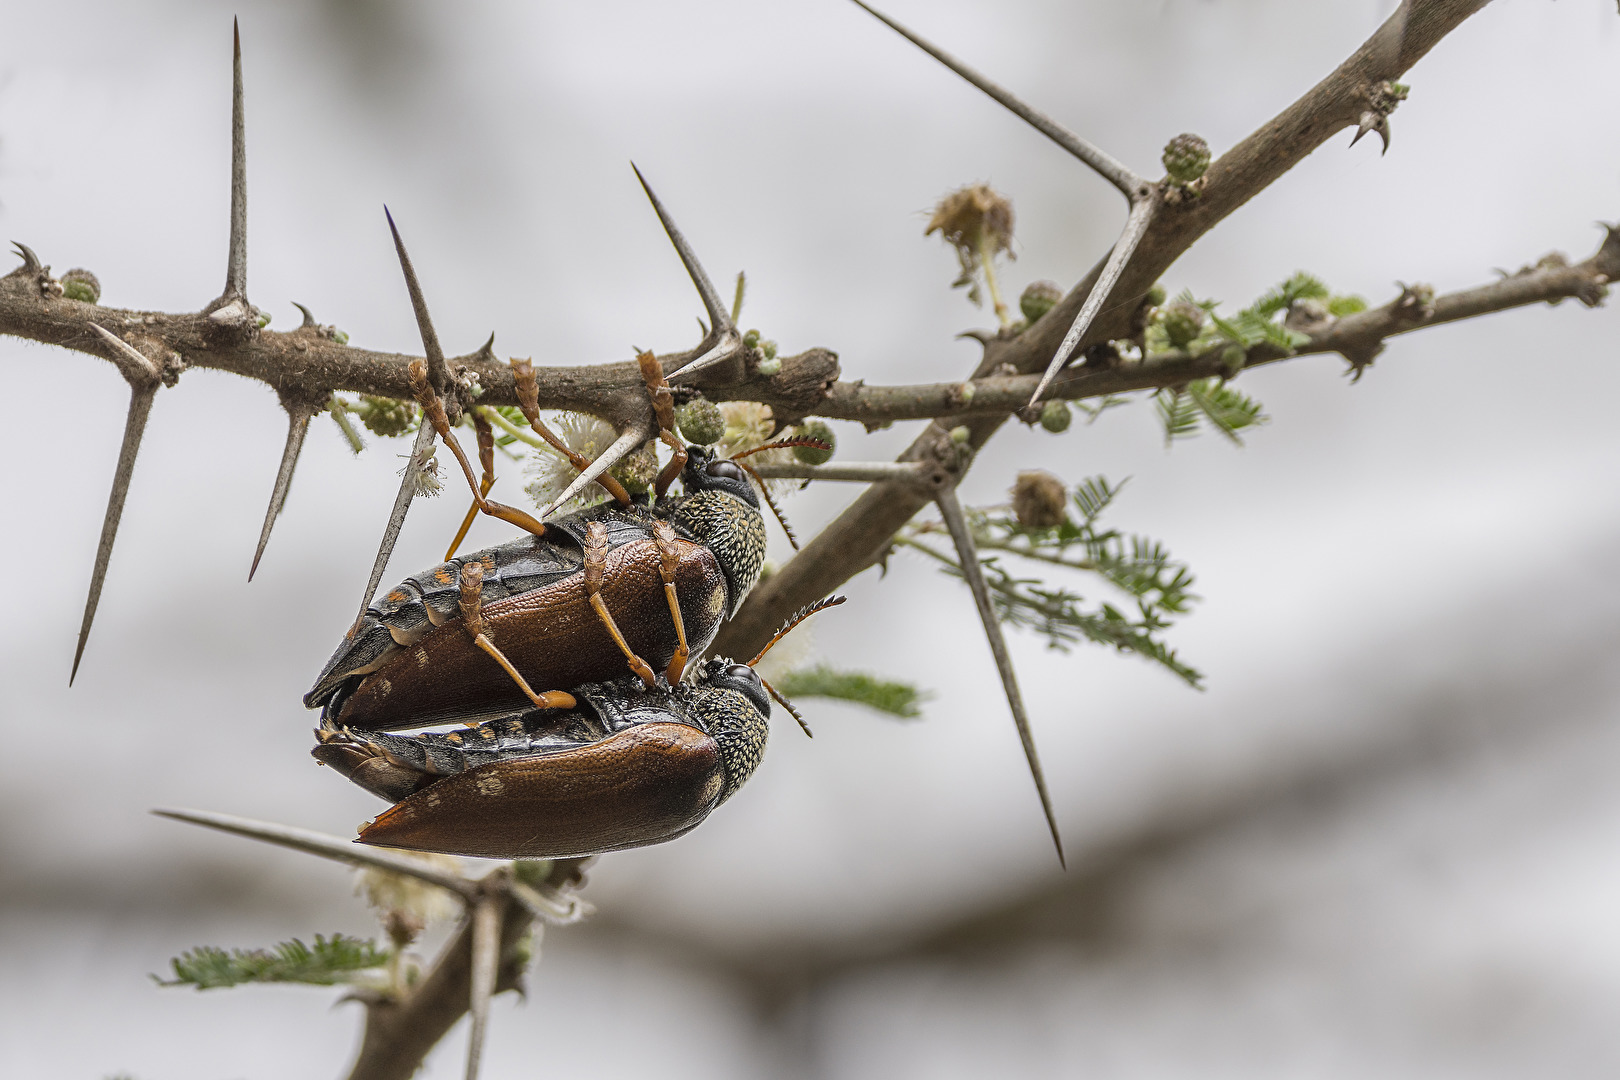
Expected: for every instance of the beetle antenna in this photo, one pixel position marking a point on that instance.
(788, 705)
(797, 618)
(783, 444)
(764, 489)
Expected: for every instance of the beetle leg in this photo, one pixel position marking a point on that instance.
(528, 395)
(433, 412)
(595, 562)
(486, 461)
(663, 402)
(472, 618)
(669, 558)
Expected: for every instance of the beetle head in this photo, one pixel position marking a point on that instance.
(722, 674)
(706, 471)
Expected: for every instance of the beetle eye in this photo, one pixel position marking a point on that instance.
(728, 470)
(740, 671)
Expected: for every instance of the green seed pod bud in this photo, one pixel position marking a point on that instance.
(81, 285)
(1056, 416)
(960, 435)
(768, 367)
(1185, 158)
(815, 429)
(638, 469)
(1038, 298)
(1182, 322)
(1039, 499)
(751, 339)
(1155, 296)
(701, 421)
(385, 416)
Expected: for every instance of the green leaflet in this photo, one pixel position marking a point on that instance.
(328, 961)
(895, 698)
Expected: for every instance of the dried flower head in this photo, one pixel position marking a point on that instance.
(425, 472)
(415, 901)
(1039, 500)
(638, 469)
(552, 473)
(700, 421)
(978, 222)
(386, 416)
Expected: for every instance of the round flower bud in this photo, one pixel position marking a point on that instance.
(1182, 322)
(81, 285)
(701, 421)
(1039, 297)
(1185, 158)
(385, 416)
(1155, 296)
(815, 429)
(960, 435)
(1056, 416)
(638, 469)
(1039, 499)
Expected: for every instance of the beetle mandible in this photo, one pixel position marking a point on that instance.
(625, 766)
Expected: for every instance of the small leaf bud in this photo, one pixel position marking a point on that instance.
(1038, 298)
(339, 336)
(768, 367)
(638, 469)
(701, 421)
(960, 435)
(81, 285)
(1182, 322)
(815, 429)
(1039, 499)
(769, 349)
(1186, 157)
(1155, 296)
(751, 339)
(1056, 416)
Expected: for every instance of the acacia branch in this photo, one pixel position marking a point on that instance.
(859, 536)
(1356, 337)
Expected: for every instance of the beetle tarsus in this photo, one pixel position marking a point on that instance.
(663, 403)
(433, 412)
(486, 461)
(528, 395)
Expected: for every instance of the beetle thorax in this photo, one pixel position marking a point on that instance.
(736, 725)
(734, 531)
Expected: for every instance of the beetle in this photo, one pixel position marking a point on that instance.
(625, 767)
(672, 568)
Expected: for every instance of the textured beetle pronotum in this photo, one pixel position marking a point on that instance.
(625, 766)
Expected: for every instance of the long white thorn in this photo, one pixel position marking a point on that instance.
(236, 261)
(298, 417)
(719, 314)
(867, 472)
(438, 371)
(396, 517)
(1136, 225)
(610, 457)
(968, 554)
(328, 847)
(727, 347)
(140, 408)
(486, 948)
(1101, 162)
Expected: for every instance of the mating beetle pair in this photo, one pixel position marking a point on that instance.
(647, 756)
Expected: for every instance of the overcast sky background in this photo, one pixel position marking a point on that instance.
(1384, 565)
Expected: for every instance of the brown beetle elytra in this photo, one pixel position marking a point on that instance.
(626, 766)
(410, 663)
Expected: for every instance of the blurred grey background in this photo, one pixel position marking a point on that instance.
(1384, 840)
